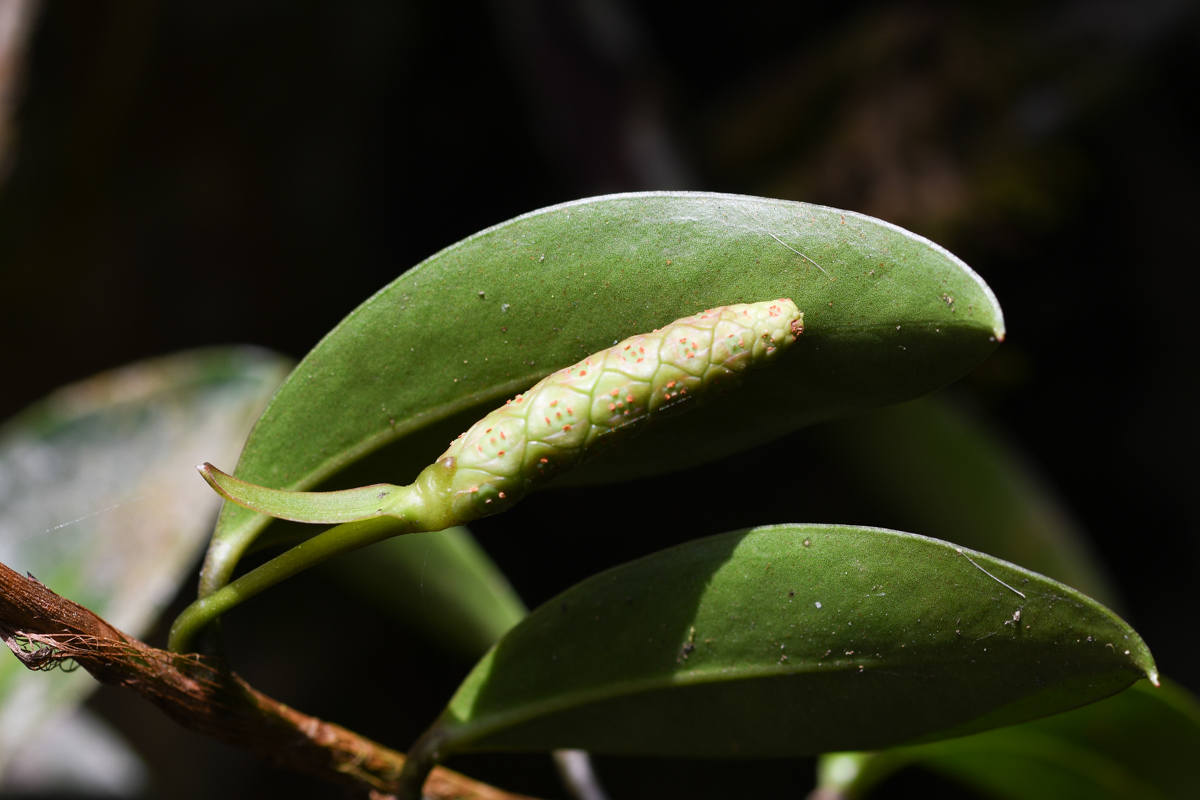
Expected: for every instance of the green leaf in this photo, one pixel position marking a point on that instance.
(930, 465)
(1142, 744)
(442, 583)
(100, 501)
(888, 316)
(791, 640)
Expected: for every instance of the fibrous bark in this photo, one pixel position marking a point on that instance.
(201, 693)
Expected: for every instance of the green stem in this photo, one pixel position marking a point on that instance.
(420, 760)
(223, 555)
(335, 541)
(424, 505)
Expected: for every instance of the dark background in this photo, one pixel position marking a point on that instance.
(224, 172)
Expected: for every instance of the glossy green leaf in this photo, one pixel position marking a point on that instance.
(791, 640)
(1142, 744)
(99, 497)
(931, 467)
(888, 316)
(441, 583)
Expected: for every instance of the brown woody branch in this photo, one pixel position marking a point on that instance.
(202, 694)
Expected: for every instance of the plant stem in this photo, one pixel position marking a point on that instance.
(422, 758)
(577, 774)
(335, 541)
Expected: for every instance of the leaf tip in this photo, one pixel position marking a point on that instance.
(210, 475)
(1144, 661)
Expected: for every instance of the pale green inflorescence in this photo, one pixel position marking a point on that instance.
(578, 411)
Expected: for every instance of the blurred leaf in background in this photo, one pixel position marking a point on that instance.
(931, 464)
(1138, 745)
(100, 501)
(442, 584)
